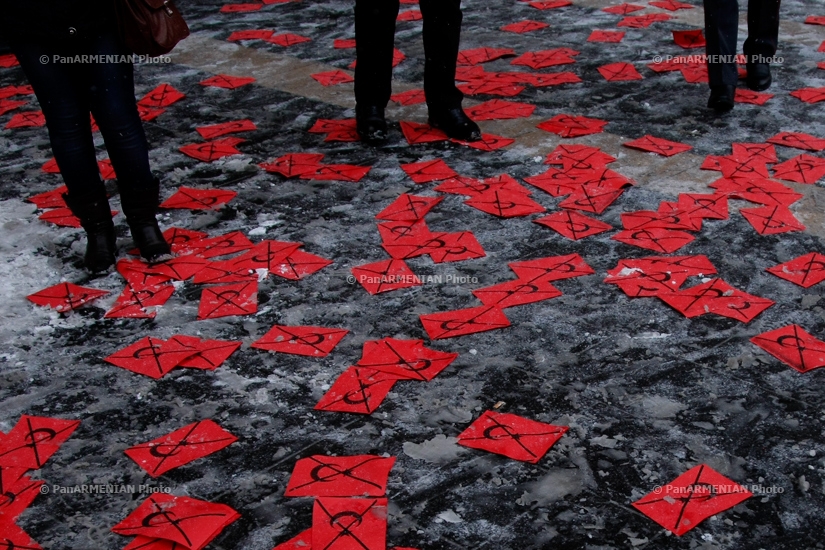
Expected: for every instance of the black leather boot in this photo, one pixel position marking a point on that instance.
(455, 123)
(759, 74)
(371, 124)
(721, 97)
(96, 219)
(140, 205)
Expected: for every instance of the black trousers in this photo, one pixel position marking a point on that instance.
(374, 39)
(68, 92)
(721, 29)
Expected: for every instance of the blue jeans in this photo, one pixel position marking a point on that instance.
(68, 92)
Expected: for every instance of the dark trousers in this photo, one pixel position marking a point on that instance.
(68, 92)
(721, 26)
(374, 38)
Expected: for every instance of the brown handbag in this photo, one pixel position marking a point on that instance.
(150, 27)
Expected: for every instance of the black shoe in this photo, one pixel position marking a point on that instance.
(140, 205)
(371, 124)
(721, 97)
(96, 219)
(759, 76)
(456, 124)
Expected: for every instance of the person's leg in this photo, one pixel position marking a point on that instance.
(374, 38)
(721, 28)
(61, 93)
(763, 34)
(112, 97)
(442, 34)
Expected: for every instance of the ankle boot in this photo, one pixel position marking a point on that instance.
(96, 219)
(140, 205)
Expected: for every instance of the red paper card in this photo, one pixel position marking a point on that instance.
(623, 9)
(689, 39)
(619, 72)
(428, 170)
(180, 447)
(658, 145)
(33, 440)
(148, 114)
(490, 87)
(11, 91)
(605, 36)
(550, 4)
(50, 199)
(343, 43)
(240, 8)
(762, 191)
(573, 126)
(265, 255)
(524, 26)
(149, 356)
(337, 172)
(805, 271)
(65, 296)
(332, 78)
(17, 492)
(357, 390)
(552, 268)
(227, 82)
(228, 300)
(294, 164)
(408, 208)
(590, 198)
(385, 276)
(483, 55)
(218, 130)
(340, 476)
(691, 498)
(671, 219)
(516, 293)
(716, 296)
(8, 60)
(511, 435)
(303, 340)
(714, 207)
(162, 96)
(404, 359)
(455, 247)
(416, 133)
(505, 204)
(7, 105)
(207, 354)
(749, 96)
(499, 109)
(214, 247)
(287, 39)
(798, 140)
(815, 20)
(671, 5)
(652, 276)
(410, 15)
(411, 97)
(349, 523)
(546, 58)
(212, 150)
(579, 157)
(140, 302)
(26, 119)
(794, 347)
(449, 324)
(298, 265)
(61, 217)
(179, 238)
(199, 199)
(573, 225)
(642, 21)
(488, 142)
(187, 521)
(810, 95)
(327, 126)
(13, 537)
(801, 169)
(771, 220)
(658, 240)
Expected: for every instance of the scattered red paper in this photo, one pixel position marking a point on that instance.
(26, 119)
(207, 354)
(428, 170)
(716, 296)
(228, 300)
(163, 95)
(213, 247)
(287, 39)
(810, 95)
(151, 357)
(107, 171)
(416, 133)
(33, 440)
(516, 293)
(179, 269)
(505, 204)
(658, 145)
(61, 217)
(794, 347)
(689, 39)
(140, 302)
(619, 72)
(691, 498)
(805, 271)
(652, 276)
(357, 390)
(240, 8)
(404, 359)
(410, 97)
(408, 208)
(199, 199)
(224, 128)
(409, 15)
(579, 157)
(714, 207)
(385, 276)
(349, 523)
(13, 537)
(298, 265)
(524, 26)
(332, 78)
(573, 225)
(10, 91)
(491, 86)
(50, 199)
(180, 447)
(483, 55)
(815, 20)
(250, 35)
(801, 169)
(337, 172)
(7, 105)
(573, 126)
(304, 340)
(591, 198)
(798, 140)
(449, 324)
(749, 96)
(623, 9)
(66, 296)
(761, 191)
(340, 476)
(671, 5)
(343, 43)
(488, 142)
(212, 150)
(642, 21)
(546, 58)
(552, 268)
(511, 435)
(186, 521)
(8, 60)
(605, 36)
(671, 219)
(550, 4)
(227, 82)
(771, 220)
(148, 114)
(658, 240)
(498, 109)
(294, 164)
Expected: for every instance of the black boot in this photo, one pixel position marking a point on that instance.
(96, 219)
(721, 97)
(140, 205)
(371, 124)
(455, 123)
(759, 73)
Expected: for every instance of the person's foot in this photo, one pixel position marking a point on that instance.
(140, 205)
(721, 97)
(456, 124)
(759, 76)
(96, 219)
(371, 124)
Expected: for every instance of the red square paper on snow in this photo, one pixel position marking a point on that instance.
(573, 126)
(163, 95)
(180, 447)
(33, 440)
(449, 324)
(658, 145)
(385, 276)
(605, 36)
(147, 356)
(140, 301)
(511, 435)
(794, 347)
(298, 265)
(13, 537)
(716, 296)
(551, 268)
(287, 39)
(332, 78)
(499, 109)
(483, 55)
(573, 225)
(227, 81)
(294, 164)
(805, 271)
(212, 150)
(505, 204)
(749, 96)
(340, 476)
(691, 498)
(207, 354)
(524, 26)
(303, 340)
(455, 247)
(218, 130)
(689, 39)
(199, 199)
(18, 492)
(337, 172)
(228, 300)
(410, 97)
(623, 9)
(416, 133)
(27, 119)
(488, 142)
(671, 5)
(357, 390)
(404, 359)
(798, 140)
(658, 240)
(65, 296)
(772, 219)
(801, 169)
(408, 208)
(516, 293)
(619, 72)
(349, 523)
(428, 170)
(266, 254)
